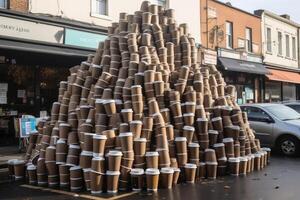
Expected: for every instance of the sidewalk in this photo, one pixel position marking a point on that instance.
(7, 153)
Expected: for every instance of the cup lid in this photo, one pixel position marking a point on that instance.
(167, 170)
(109, 101)
(99, 101)
(98, 158)
(243, 159)
(202, 163)
(51, 147)
(223, 159)
(152, 153)
(152, 171)
(188, 114)
(140, 140)
(136, 122)
(126, 110)
(64, 124)
(190, 165)
(112, 173)
(202, 120)
(257, 155)
(61, 141)
(75, 168)
(86, 153)
(12, 161)
(233, 160)
(216, 119)
(136, 86)
(235, 127)
(193, 145)
(266, 149)
(211, 163)
(225, 140)
(91, 134)
(209, 150)
(190, 103)
(176, 169)
(219, 145)
(165, 110)
(189, 128)
(180, 139)
(31, 167)
(115, 153)
(137, 171)
(126, 134)
(84, 106)
(100, 137)
(72, 146)
(213, 132)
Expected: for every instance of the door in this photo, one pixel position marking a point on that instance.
(261, 123)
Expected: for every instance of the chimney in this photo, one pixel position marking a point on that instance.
(228, 4)
(286, 16)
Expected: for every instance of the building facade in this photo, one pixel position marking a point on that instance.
(104, 12)
(236, 35)
(280, 49)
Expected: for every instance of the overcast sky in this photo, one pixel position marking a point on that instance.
(291, 7)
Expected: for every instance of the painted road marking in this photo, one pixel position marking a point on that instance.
(76, 194)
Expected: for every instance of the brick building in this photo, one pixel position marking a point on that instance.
(236, 35)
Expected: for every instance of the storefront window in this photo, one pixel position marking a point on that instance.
(289, 91)
(273, 91)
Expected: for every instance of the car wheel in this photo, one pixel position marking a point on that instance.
(289, 146)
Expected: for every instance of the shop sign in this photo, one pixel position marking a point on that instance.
(27, 125)
(22, 29)
(83, 39)
(209, 57)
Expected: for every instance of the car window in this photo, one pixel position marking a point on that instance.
(295, 107)
(255, 114)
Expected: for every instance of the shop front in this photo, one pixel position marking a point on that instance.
(282, 85)
(246, 73)
(35, 55)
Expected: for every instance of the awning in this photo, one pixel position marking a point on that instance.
(39, 48)
(284, 76)
(235, 65)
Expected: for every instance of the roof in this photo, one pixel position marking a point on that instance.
(235, 8)
(54, 20)
(275, 16)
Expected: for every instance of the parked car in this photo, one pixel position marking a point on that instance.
(293, 104)
(276, 125)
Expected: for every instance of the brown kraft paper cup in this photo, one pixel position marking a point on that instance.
(139, 146)
(126, 141)
(112, 181)
(234, 166)
(229, 147)
(137, 179)
(85, 160)
(190, 172)
(166, 177)
(211, 169)
(114, 160)
(97, 181)
(243, 166)
(32, 176)
(152, 159)
(152, 177)
(99, 145)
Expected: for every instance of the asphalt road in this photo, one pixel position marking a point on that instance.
(280, 180)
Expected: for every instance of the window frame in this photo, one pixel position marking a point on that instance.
(287, 46)
(94, 12)
(269, 40)
(280, 44)
(294, 48)
(5, 4)
(229, 35)
(249, 40)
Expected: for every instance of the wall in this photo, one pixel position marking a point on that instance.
(18, 5)
(240, 20)
(81, 11)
